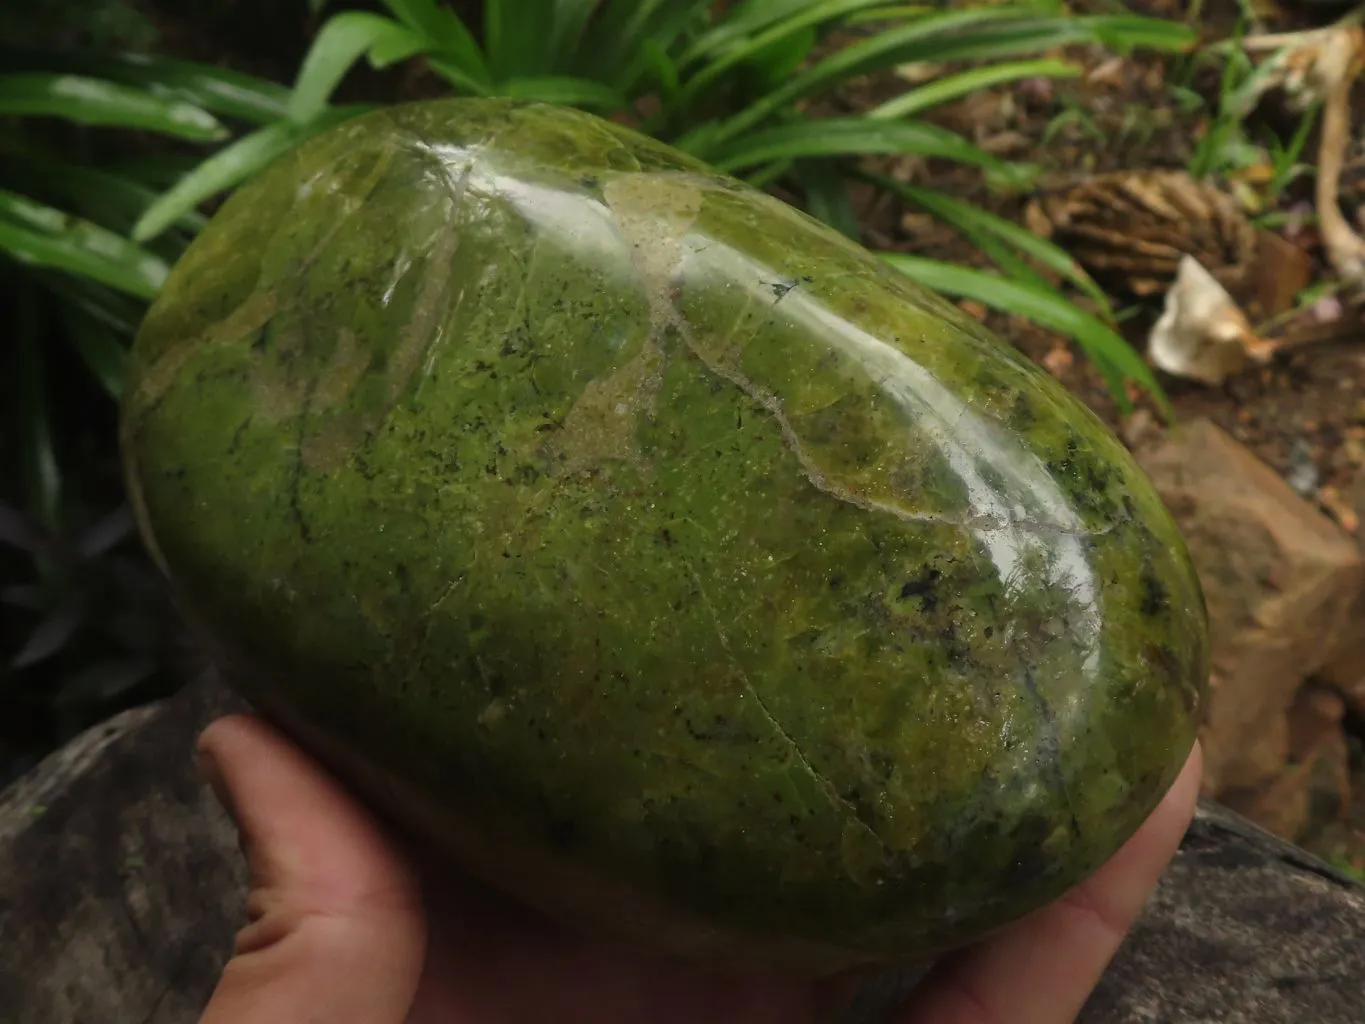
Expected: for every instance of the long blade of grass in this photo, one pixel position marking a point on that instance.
(232, 165)
(668, 26)
(769, 174)
(665, 73)
(827, 198)
(571, 18)
(98, 102)
(897, 46)
(457, 78)
(769, 67)
(952, 87)
(742, 23)
(976, 222)
(980, 33)
(1124, 33)
(53, 632)
(1014, 266)
(98, 348)
(120, 312)
(1113, 356)
(42, 476)
(217, 90)
(516, 37)
(342, 41)
(613, 48)
(572, 92)
(112, 200)
(851, 137)
(449, 36)
(157, 170)
(891, 12)
(42, 236)
(805, 16)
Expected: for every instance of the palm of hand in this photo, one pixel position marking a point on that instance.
(490, 963)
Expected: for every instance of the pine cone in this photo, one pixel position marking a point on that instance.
(1130, 229)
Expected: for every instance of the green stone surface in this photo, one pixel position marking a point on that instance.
(657, 551)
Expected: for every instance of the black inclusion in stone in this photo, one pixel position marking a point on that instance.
(1154, 597)
(922, 586)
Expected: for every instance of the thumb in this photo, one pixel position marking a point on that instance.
(336, 932)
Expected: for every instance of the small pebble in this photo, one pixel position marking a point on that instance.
(1303, 472)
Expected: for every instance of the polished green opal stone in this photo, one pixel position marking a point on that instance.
(659, 553)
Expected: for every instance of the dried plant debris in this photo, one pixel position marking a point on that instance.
(1132, 229)
(1321, 66)
(1308, 66)
(1202, 334)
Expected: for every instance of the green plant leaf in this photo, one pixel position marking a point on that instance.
(834, 136)
(516, 37)
(743, 22)
(94, 101)
(232, 165)
(42, 476)
(571, 18)
(769, 174)
(827, 198)
(572, 92)
(975, 223)
(1014, 266)
(1113, 356)
(54, 630)
(109, 199)
(893, 12)
(158, 171)
(120, 312)
(98, 347)
(1286, 165)
(42, 236)
(449, 37)
(803, 17)
(218, 90)
(1124, 33)
(665, 73)
(342, 41)
(457, 78)
(979, 33)
(773, 64)
(961, 84)
(613, 47)
(913, 41)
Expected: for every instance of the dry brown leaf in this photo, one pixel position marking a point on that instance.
(1279, 274)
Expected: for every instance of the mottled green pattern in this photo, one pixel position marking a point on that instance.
(661, 530)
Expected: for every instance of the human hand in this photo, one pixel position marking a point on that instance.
(342, 930)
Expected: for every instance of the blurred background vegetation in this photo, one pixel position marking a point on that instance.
(123, 122)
